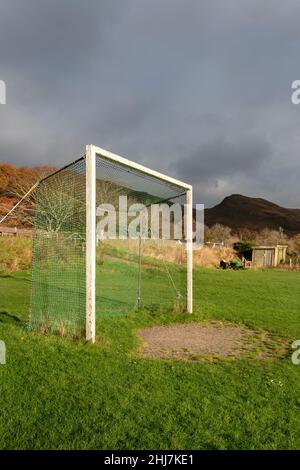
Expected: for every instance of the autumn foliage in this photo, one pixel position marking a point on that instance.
(14, 184)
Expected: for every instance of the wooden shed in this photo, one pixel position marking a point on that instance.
(269, 256)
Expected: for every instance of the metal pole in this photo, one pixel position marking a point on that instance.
(90, 244)
(139, 275)
(189, 248)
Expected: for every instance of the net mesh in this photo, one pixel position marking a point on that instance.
(58, 265)
(139, 272)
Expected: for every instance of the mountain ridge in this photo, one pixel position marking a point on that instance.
(254, 213)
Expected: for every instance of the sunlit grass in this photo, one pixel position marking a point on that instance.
(62, 394)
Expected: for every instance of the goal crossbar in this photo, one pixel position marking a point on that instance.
(136, 166)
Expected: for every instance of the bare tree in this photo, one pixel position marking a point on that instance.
(218, 233)
(20, 184)
(271, 237)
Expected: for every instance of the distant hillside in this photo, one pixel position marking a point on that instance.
(238, 212)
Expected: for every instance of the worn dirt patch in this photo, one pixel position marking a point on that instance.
(213, 340)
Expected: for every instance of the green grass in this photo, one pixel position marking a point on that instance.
(264, 298)
(60, 394)
(16, 253)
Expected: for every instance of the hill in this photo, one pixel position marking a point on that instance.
(239, 212)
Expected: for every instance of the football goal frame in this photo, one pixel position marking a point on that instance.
(71, 246)
(92, 151)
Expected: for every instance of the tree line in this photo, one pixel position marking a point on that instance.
(248, 238)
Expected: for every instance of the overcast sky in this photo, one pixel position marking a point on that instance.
(200, 89)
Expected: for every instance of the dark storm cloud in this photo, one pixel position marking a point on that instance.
(198, 89)
(219, 159)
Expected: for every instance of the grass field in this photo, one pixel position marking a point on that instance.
(59, 394)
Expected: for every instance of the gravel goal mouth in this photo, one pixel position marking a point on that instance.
(209, 341)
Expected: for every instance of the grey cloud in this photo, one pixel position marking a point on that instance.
(197, 89)
(221, 158)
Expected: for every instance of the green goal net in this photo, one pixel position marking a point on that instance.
(140, 253)
(58, 287)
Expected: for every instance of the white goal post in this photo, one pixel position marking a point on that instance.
(91, 154)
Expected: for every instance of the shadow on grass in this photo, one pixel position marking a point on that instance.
(6, 317)
(15, 276)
